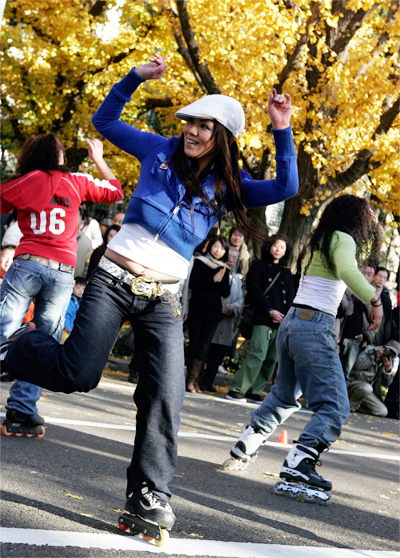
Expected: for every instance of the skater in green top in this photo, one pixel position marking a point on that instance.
(308, 363)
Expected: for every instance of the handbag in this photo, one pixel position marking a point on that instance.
(247, 321)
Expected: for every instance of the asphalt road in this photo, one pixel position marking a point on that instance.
(62, 494)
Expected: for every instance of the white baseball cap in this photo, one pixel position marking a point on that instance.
(225, 110)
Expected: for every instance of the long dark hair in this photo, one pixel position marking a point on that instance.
(108, 229)
(351, 215)
(266, 247)
(40, 153)
(225, 166)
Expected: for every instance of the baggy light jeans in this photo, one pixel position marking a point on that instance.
(308, 364)
(51, 289)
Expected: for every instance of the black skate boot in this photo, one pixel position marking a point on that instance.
(5, 345)
(302, 481)
(245, 450)
(148, 514)
(22, 424)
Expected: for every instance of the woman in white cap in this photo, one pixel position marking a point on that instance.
(186, 185)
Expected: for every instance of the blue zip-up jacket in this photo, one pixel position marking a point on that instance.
(157, 202)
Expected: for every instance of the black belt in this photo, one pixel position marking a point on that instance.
(311, 308)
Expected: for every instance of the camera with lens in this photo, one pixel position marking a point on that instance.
(389, 353)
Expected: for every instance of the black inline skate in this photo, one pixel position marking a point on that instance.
(245, 450)
(302, 481)
(147, 514)
(21, 424)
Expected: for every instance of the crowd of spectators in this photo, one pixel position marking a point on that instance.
(221, 282)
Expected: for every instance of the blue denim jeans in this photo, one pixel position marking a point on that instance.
(308, 365)
(51, 289)
(77, 365)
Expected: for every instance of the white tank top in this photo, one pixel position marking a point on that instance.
(320, 293)
(137, 244)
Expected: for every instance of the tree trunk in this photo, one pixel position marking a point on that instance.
(297, 227)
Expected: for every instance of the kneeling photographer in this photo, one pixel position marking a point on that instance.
(371, 371)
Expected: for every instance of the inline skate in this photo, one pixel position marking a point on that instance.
(245, 450)
(301, 481)
(147, 514)
(19, 424)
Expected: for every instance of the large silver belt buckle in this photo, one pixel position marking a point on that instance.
(146, 287)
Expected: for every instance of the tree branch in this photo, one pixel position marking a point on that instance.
(362, 163)
(13, 121)
(194, 50)
(387, 119)
(151, 104)
(355, 20)
(300, 46)
(183, 51)
(383, 38)
(97, 8)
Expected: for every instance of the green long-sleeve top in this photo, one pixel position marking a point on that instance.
(321, 288)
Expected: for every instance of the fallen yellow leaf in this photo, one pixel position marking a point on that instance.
(73, 496)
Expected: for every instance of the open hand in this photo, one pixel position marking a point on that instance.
(95, 149)
(279, 110)
(218, 276)
(153, 69)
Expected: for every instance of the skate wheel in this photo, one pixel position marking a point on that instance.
(164, 538)
(123, 527)
(29, 435)
(4, 431)
(234, 465)
(18, 434)
(147, 538)
(40, 435)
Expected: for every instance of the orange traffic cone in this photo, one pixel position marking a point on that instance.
(283, 438)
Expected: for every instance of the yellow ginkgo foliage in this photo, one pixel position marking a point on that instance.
(338, 59)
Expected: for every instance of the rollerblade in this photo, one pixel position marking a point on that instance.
(21, 424)
(245, 450)
(147, 514)
(301, 480)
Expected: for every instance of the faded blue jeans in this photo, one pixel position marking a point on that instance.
(51, 289)
(77, 365)
(308, 364)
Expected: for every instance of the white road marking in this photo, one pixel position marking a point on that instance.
(104, 384)
(72, 422)
(186, 547)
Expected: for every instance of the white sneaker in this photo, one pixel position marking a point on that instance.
(222, 370)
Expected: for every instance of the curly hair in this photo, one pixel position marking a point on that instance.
(266, 247)
(41, 152)
(351, 215)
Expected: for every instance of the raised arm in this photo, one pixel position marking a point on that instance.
(259, 193)
(107, 119)
(96, 154)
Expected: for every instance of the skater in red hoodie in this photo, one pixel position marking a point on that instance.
(47, 196)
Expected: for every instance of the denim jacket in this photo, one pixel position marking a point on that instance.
(157, 202)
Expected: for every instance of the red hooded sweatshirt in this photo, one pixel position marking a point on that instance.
(48, 207)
